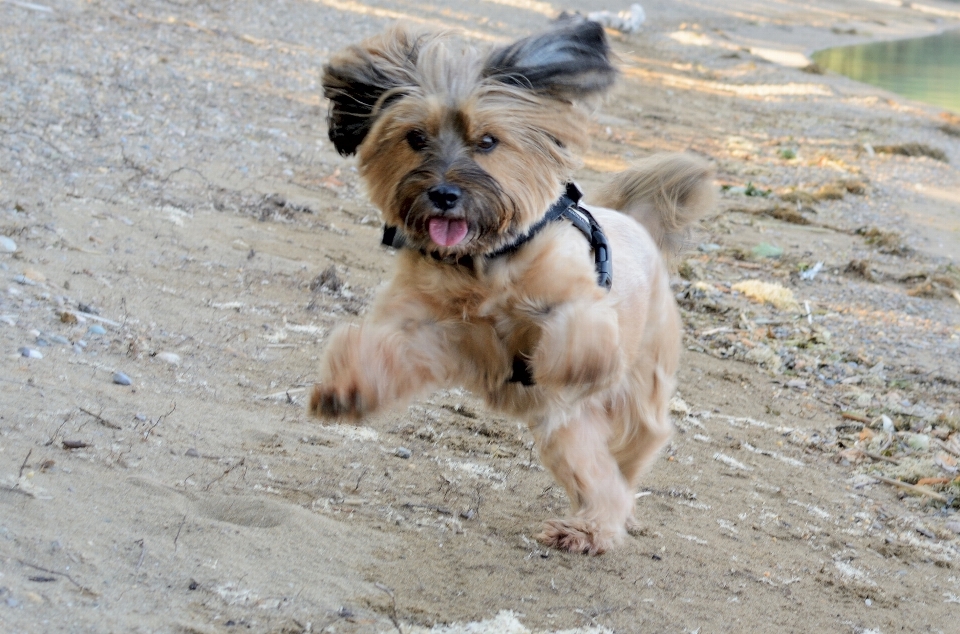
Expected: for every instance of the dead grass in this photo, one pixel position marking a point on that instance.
(830, 191)
(912, 149)
(861, 268)
(835, 190)
(936, 284)
(952, 130)
(788, 214)
(886, 241)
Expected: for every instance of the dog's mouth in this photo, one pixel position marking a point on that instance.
(447, 232)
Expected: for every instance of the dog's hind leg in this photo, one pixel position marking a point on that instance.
(579, 457)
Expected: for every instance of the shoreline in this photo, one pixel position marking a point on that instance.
(173, 210)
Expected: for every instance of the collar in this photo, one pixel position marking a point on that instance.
(567, 207)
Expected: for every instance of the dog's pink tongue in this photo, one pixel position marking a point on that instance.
(447, 231)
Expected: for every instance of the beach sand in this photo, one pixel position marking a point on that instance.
(173, 211)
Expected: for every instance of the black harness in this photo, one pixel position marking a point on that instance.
(567, 207)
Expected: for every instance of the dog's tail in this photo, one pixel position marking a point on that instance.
(666, 193)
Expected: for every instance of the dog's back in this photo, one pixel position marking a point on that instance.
(666, 193)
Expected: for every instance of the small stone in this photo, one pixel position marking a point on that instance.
(43, 343)
(7, 245)
(96, 329)
(68, 318)
(169, 357)
(403, 452)
(193, 453)
(919, 442)
(63, 341)
(34, 275)
(767, 250)
(121, 379)
(953, 526)
(887, 424)
(30, 353)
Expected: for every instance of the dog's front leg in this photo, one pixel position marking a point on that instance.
(579, 347)
(375, 364)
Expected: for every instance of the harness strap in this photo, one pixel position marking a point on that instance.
(567, 207)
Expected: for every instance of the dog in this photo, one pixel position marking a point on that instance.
(553, 310)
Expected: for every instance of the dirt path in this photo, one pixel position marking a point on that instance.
(177, 215)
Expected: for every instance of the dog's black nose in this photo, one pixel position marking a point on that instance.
(444, 196)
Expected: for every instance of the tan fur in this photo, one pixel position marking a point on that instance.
(603, 361)
(666, 193)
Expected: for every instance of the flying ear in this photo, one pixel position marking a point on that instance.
(361, 80)
(569, 62)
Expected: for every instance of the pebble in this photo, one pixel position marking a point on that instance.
(7, 245)
(43, 343)
(767, 250)
(169, 357)
(403, 452)
(193, 453)
(121, 379)
(887, 424)
(24, 280)
(953, 526)
(34, 276)
(63, 341)
(920, 442)
(96, 329)
(30, 353)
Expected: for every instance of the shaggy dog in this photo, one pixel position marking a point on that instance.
(553, 311)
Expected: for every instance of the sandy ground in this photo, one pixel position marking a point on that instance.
(176, 214)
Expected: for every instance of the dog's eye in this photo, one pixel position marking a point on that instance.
(487, 142)
(417, 140)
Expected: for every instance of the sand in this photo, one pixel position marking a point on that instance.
(173, 211)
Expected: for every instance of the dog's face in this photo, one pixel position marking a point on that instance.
(464, 150)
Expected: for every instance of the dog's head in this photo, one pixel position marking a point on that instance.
(463, 149)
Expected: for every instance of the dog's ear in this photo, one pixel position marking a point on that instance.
(362, 79)
(569, 62)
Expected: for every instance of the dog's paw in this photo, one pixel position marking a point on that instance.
(575, 535)
(339, 401)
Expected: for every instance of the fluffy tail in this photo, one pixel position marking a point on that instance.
(666, 193)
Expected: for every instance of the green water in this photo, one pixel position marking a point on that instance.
(926, 68)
